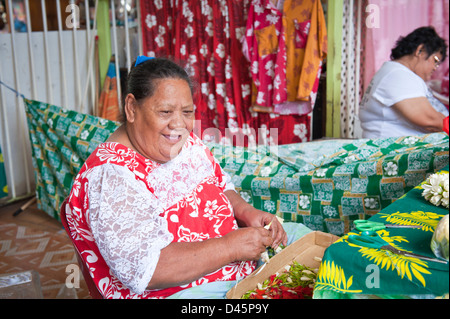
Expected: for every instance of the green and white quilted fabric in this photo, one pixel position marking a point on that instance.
(323, 184)
(326, 184)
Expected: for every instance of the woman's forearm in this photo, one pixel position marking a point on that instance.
(420, 112)
(243, 212)
(182, 262)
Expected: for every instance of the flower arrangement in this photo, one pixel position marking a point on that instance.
(296, 282)
(270, 252)
(435, 189)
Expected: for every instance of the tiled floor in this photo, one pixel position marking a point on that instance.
(35, 241)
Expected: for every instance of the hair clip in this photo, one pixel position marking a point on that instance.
(142, 58)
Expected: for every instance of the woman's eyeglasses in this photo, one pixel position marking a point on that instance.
(437, 61)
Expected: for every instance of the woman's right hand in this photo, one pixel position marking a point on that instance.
(248, 243)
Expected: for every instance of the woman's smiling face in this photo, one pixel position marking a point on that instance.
(159, 125)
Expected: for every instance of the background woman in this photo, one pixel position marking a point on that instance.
(398, 101)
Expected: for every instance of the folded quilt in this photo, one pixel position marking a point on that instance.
(323, 184)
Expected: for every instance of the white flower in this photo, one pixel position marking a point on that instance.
(204, 50)
(189, 30)
(158, 4)
(239, 33)
(183, 49)
(304, 201)
(210, 207)
(436, 199)
(84, 135)
(233, 125)
(266, 171)
(245, 90)
(300, 131)
(211, 101)
(436, 189)
(206, 10)
(205, 88)
(246, 196)
(159, 41)
(321, 172)
(150, 20)
(350, 159)
(272, 19)
(265, 257)
(391, 169)
(269, 68)
(410, 140)
(220, 50)
(209, 29)
(231, 109)
(210, 68)
(255, 67)
(370, 203)
(221, 89)
(260, 98)
(228, 69)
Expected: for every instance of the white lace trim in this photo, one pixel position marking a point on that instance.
(126, 225)
(178, 178)
(126, 218)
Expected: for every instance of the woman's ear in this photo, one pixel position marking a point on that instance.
(419, 50)
(130, 107)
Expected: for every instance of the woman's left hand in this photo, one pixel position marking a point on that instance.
(263, 219)
(248, 216)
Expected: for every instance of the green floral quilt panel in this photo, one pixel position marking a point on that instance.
(323, 184)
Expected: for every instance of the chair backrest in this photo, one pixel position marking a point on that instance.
(93, 290)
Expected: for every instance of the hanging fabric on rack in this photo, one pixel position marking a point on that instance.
(157, 25)
(109, 103)
(286, 42)
(264, 46)
(207, 36)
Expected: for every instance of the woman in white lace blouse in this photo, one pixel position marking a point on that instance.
(151, 209)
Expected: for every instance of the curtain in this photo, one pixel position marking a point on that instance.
(206, 37)
(3, 181)
(398, 18)
(108, 107)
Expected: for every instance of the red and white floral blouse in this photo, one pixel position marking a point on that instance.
(124, 209)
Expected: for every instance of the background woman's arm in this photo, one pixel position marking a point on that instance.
(420, 112)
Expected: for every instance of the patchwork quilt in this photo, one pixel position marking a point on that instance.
(323, 184)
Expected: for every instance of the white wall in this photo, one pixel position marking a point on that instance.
(72, 58)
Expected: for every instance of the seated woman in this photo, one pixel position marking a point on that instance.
(152, 211)
(398, 101)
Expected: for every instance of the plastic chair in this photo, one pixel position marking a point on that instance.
(93, 290)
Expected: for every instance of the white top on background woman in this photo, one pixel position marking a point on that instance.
(397, 101)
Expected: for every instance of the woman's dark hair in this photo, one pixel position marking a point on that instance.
(142, 78)
(427, 36)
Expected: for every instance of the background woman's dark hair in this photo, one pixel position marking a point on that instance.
(142, 79)
(427, 36)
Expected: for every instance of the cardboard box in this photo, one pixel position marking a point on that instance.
(302, 251)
